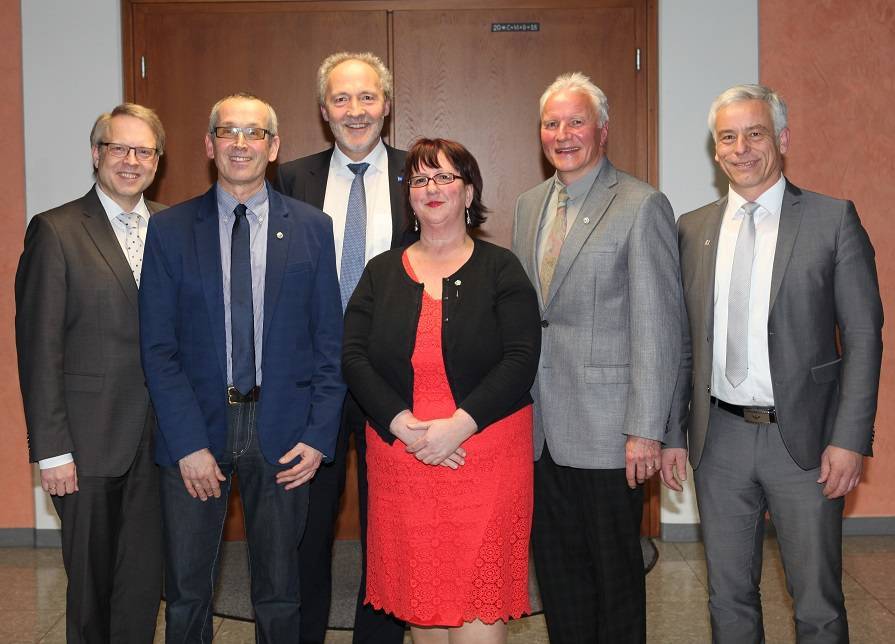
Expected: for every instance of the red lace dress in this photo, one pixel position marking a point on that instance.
(449, 546)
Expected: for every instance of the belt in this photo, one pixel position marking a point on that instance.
(756, 415)
(236, 398)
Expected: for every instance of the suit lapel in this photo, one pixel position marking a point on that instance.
(595, 205)
(396, 194)
(208, 253)
(707, 261)
(277, 253)
(100, 230)
(529, 240)
(790, 218)
(315, 184)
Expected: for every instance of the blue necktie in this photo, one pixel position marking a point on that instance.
(242, 318)
(354, 244)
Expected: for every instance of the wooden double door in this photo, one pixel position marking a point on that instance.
(469, 71)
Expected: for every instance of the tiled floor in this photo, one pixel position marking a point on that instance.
(32, 598)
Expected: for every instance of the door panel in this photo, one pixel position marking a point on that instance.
(456, 79)
(196, 55)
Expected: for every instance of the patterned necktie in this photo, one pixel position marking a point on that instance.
(555, 238)
(354, 243)
(133, 243)
(242, 318)
(738, 299)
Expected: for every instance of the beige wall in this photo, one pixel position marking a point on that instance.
(834, 64)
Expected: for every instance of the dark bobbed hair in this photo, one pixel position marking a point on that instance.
(424, 152)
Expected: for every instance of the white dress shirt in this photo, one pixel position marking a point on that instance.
(112, 211)
(756, 389)
(379, 205)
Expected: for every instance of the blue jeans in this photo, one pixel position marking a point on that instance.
(193, 529)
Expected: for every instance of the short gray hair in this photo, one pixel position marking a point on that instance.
(750, 93)
(578, 82)
(333, 60)
(272, 122)
(145, 114)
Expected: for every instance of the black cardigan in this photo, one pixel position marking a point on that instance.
(491, 336)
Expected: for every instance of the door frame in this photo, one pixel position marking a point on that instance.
(646, 40)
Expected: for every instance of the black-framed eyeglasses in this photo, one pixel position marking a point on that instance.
(250, 133)
(441, 179)
(121, 150)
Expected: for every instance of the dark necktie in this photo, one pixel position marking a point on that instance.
(242, 319)
(354, 243)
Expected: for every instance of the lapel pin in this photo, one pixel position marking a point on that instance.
(708, 242)
(586, 220)
(279, 235)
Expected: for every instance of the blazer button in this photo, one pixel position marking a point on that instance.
(544, 324)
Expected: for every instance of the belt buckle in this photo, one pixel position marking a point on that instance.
(233, 396)
(757, 416)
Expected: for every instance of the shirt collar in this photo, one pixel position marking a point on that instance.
(227, 202)
(113, 209)
(378, 159)
(582, 186)
(771, 200)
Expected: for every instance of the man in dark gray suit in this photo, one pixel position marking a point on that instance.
(780, 418)
(354, 92)
(86, 406)
(600, 248)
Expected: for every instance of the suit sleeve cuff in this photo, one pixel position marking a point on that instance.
(56, 461)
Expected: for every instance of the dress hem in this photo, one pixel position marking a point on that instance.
(503, 617)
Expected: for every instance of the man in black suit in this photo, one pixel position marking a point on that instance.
(354, 91)
(89, 420)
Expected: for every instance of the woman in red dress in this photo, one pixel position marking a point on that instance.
(441, 347)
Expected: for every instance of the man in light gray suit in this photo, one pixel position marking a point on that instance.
(780, 418)
(601, 249)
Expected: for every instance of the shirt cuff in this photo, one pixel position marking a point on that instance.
(56, 461)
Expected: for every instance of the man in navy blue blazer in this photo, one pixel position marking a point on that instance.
(241, 328)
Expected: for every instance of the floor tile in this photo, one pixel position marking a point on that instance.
(673, 581)
(691, 551)
(869, 621)
(528, 630)
(678, 622)
(33, 599)
(863, 545)
(234, 631)
(28, 625)
(667, 551)
(873, 571)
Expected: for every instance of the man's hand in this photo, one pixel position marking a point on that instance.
(674, 468)
(201, 474)
(642, 459)
(840, 470)
(61, 480)
(440, 445)
(304, 470)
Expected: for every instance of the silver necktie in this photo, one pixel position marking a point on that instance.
(738, 299)
(133, 243)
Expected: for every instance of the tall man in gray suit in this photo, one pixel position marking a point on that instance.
(354, 92)
(86, 406)
(780, 417)
(601, 249)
